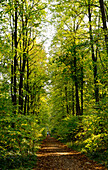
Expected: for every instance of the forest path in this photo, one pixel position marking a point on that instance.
(55, 156)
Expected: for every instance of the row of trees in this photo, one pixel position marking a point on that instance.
(22, 53)
(79, 54)
(78, 73)
(24, 113)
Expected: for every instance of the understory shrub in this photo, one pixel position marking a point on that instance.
(87, 133)
(19, 138)
(67, 128)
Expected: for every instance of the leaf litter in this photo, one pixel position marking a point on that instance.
(54, 155)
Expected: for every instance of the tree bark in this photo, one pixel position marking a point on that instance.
(15, 59)
(73, 111)
(22, 70)
(12, 64)
(94, 59)
(12, 81)
(82, 88)
(66, 97)
(27, 86)
(76, 88)
(25, 105)
(104, 20)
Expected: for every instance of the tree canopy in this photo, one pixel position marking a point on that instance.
(62, 90)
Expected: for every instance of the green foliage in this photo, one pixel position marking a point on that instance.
(19, 140)
(18, 162)
(78, 79)
(19, 133)
(70, 70)
(87, 134)
(66, 129)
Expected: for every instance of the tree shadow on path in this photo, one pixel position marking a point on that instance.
(54, 155)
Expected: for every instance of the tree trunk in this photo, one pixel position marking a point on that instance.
(12, 81)
(27, 86)
(70, 99)
(15, 59)
(73, 111)
(21, 93)
(12, 64)
(66, 97)
(76, 88)
(25, 105)
(22, 70)
(20, 81)
(82, 88)
(104, 20)
(94, 59)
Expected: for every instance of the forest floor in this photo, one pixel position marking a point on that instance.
(53, 155)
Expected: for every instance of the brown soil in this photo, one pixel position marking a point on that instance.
(55, 156)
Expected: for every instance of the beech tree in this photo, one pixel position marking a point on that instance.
(103, 10)
(23, 19)
(72, 40)
(23, 78)
(64, 91)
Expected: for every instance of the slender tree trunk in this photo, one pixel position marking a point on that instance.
(12, 71)
(70, 97)
(32, 96)
(94, 59)
(76, 88)
(27, 91)
(24, 61)
(82, 88)
(12, 80)
(21, 74)
(15, 59)
(20, 85)
(25, 105)
(20, 92)
(76, 80)
(73, 111)
(66, 97)
(104, 20)
(38, 100)
(27, 86)
(73, 96)
(22, 70)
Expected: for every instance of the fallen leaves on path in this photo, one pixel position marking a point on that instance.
(55, 156)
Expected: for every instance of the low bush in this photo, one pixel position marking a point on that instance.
(66, 129)
(19, 139)
(87, 133)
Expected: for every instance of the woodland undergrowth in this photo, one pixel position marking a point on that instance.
(87, 134)
(20, 138)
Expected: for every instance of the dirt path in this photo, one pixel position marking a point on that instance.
(55, 156)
